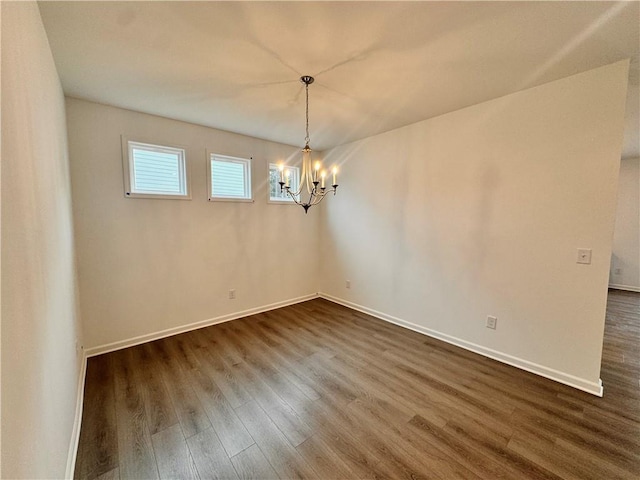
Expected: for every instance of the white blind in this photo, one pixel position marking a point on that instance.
(227, 179)
(230, 177)
(157, 170)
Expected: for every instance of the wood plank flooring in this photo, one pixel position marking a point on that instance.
(316, 390)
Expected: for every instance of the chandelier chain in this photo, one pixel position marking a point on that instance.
(306, 138)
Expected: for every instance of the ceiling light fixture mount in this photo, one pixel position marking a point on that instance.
(313, 179)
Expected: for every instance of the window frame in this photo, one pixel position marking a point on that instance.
(248, 162)
(281, 201)
(128, 164)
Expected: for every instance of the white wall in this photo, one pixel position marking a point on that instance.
(150, 265)
(625, 260)
(480, 212)
(40, 324)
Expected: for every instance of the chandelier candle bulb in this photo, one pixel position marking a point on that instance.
(335, 174)
(322, 175)
(288, 177)
(281, 167)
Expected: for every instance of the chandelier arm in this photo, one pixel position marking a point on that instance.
(318, 197)
(296, 201)
(310, 201)
(292, 196)
(288, 191)
(297, 192)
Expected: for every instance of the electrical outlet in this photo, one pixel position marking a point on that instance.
(347, 283)
(617, 271)
(584, 256)
(232, 294)
(492, 322)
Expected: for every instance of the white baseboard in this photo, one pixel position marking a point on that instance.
(110, 347)
(588, 386)
(628, 288)
(564, 378)
(77, 421)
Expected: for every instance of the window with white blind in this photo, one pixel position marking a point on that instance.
(276, 194)
(154, 171)
(229, 178)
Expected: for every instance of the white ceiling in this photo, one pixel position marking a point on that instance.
(378, 66)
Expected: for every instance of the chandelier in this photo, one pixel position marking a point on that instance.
(311, 179)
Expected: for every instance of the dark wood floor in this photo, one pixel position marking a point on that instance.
(316, 390)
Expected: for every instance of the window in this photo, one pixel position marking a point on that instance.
(275, 193)
(154, 171)
(229, 178)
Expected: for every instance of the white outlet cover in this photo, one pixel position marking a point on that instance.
(492, 322)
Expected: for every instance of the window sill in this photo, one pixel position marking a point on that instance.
(240, 200)
(157, 196)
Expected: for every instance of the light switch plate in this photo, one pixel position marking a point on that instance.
(584, 256)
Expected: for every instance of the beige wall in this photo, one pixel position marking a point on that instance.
(477, 212)
(40, 326)
(625, 260)
(481, 212)
(146, 265)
